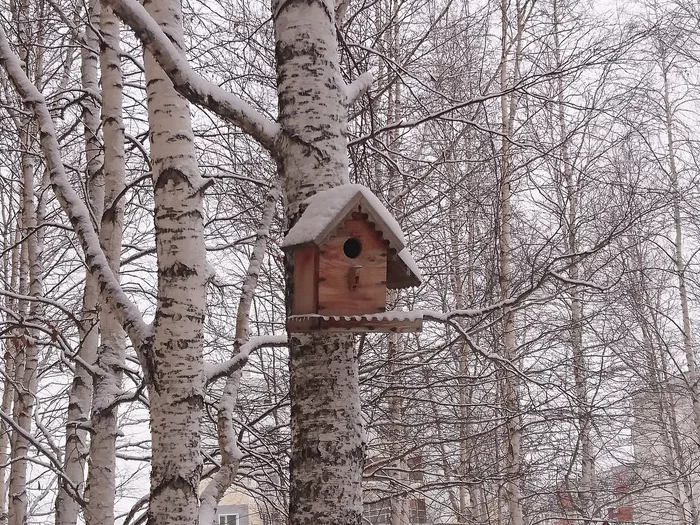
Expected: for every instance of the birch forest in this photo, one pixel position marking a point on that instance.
(541, 158)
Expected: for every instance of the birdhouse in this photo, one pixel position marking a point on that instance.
(347, 250)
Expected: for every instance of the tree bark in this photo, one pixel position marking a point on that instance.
(80, 395)
(174, 367)
(327, 450)
(510, 382)
(570, 220)
(693, 377)
(27, 361)
(101, 478)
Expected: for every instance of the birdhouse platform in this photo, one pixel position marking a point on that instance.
(346, 251)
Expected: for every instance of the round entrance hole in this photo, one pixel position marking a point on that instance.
(352, 248)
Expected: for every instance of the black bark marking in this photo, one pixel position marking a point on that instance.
(178, 270)
(171, 174)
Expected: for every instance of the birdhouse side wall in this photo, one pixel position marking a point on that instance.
(305, 300)
(349, 286)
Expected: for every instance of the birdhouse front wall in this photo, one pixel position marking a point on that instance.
(352, 268)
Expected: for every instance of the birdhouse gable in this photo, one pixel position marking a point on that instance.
(402, 271)
(327, 210)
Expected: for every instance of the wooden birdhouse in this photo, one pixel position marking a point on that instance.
(347, 250)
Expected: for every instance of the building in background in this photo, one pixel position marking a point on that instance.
(382, 505)
(667, 456)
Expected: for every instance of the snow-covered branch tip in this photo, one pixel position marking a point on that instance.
(80, 218)
(358, 87)
(214, 371)
(577, 282)
(188, 83)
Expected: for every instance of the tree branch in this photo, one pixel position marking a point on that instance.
(188, 83)
(358, 87)
(110, 290)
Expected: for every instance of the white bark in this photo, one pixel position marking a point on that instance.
(27, 359)
(174, 368)
(101, 478)
(570, 220)
(10, 356)
(327, 452)
(26, 373)
(692, 375)
(510, 382)
(76, 447)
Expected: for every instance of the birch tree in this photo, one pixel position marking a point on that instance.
(79, 400)
(110, 358)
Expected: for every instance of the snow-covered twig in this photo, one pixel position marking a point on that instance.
(44, 300)
(358, 87)
(55, 463)
(187, 82)
(231, 454)
(214, 371)
(577, 282)
(449, 319)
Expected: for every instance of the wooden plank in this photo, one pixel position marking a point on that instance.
(338, 294)
(384, 325)
(304, 325)
(318, 324)
(305, 293)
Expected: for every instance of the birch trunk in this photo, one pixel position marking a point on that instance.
(10, 366)
(511, 402)
(571, 205)
(399, 502)
(692, 374)
(26, 374)
(79, 398)
(660, 405)
(111, 354)
(465, 508)
(327, 451)
(174, 367)
(27, 356)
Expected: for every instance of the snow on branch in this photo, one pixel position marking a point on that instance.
(214, 371)
(111, 291)
(577, 282)
(188, 83)
(54, 462)
(358, 87)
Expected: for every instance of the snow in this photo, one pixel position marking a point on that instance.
(324, 206)
(407, 259)
(214, 370)
(190, 84)
(358, 87)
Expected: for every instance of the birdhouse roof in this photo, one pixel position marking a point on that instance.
(327, 210)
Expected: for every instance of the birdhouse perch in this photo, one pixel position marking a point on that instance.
(347, 250)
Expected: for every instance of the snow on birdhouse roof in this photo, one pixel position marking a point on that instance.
(407, 259)
(326, 209)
